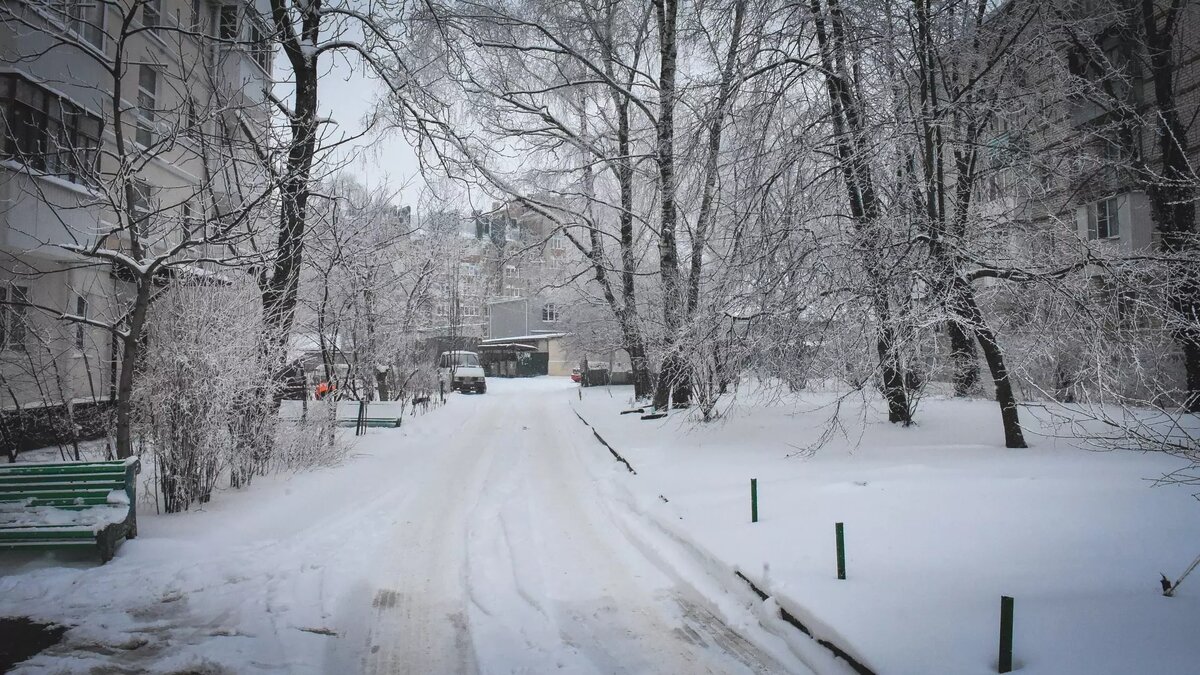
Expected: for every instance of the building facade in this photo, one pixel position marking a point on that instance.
(119, 122)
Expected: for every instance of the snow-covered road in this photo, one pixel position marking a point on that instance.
(492, 535)
(507, 559)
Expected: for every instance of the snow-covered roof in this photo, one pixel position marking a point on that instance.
(510, 345)
(522, 338)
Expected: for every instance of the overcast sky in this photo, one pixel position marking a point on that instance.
(381, 159)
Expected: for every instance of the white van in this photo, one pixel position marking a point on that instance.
(461, 370)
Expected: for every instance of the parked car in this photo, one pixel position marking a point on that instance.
(461, 370)
(575, 375)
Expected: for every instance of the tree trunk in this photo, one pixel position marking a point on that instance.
(672, 382)
(279, 288)
(853, 160)
(890, 372)
(1173, 192)
(712, 155)
(643, 385)
(672, 378)
(964, 359)
(131, 354)
(381, 385)
(635, 343)
(969, 310)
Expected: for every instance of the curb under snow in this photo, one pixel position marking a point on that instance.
(789, 617)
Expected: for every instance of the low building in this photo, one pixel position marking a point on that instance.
(526, 355)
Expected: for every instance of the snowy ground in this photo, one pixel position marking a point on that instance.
(941, 520)
(492, 535)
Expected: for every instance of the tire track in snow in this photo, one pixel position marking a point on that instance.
(417, 619)
(507, 561)
(598, 605)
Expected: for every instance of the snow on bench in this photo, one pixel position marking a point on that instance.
(68, 505)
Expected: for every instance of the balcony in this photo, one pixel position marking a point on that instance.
(44, 212)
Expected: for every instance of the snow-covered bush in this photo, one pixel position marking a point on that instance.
(204, 394)
(311, 441)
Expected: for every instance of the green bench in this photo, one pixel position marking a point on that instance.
(388, 422)
(68, 505)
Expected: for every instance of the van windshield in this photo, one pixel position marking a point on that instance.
(449, 360)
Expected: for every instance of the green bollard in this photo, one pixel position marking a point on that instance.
(841, 550)
(1006, 633)
(754, 500)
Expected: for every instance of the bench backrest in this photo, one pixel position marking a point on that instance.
(69, 485)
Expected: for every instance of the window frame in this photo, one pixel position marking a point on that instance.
(190, 220)
(147, 114)
(259, 45)
(14, 318)
(81, 310)
(191, 120)
(141, 209)
(220, 29)
(152, 16)
(77, 20)
(550, 312)
(196, 18)
(46, 132)
(1106, 212)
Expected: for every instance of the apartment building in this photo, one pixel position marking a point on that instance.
(529, 263)
(524, 255)
(120, 120)
(1075, 143)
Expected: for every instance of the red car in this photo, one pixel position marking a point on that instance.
(575, 376)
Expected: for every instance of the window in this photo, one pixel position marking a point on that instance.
(550, 312)
(12, 317)
(212, 238)
(139, 212)
(152, 13)
(443, 309)
(558, 242)
(1045, 177)
(1129, 312)
(260, 47)
(192, 227)
(192, 120)
(85, 18)
(147, 102)
(81, 310)
(1104, 220)
(46, 132)
(227, 22)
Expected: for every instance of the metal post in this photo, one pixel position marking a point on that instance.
(840, 532)
(754, 500)
(1006, 634)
